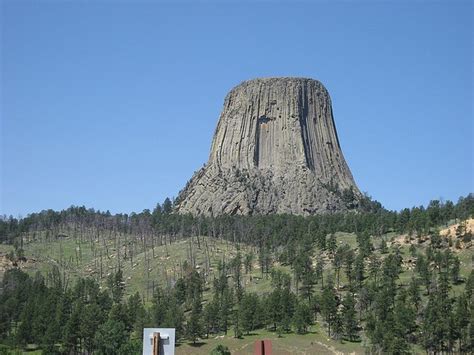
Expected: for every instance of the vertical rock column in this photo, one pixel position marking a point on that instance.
(275, 150)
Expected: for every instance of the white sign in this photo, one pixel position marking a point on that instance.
(166, 341)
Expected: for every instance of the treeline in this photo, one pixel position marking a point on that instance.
(162, 226)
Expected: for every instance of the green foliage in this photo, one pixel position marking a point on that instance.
(220, 350)
(115, 283)
(329, 305)
(249, 312)
(349, 317)
(301, 318)
(194, 327)
(110, 336)
(360, 291)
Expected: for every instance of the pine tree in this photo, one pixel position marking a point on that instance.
(89, 323)
(110, 336)
(349, 263)
(211, 317)
(287, 304)
(461, 322)
(338, 260)
(454, 270)
(404, 316)
(236, 320)
(321, 240)
(319, 272)
(115, 283)
(338, 326)
(136, 313)
(329, 305)
(194, 327)
(236, 266)
(349, 317)
(225, 309)
(359, 270)
(248, 262)
(72, 328)
(374, 267)
(414, 296)
(248, 312)
(273, 311)
(469, 288)
(331, 245)
(25, 329)
(301, 318)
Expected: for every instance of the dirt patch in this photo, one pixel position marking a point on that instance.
(22, 263)
(451, 230)
(454, 231)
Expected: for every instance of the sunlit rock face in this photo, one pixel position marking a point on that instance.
(275, 150)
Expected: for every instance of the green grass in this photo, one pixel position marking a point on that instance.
(314, 342)
(140, 272)
(144, 270)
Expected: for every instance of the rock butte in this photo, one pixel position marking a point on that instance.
(275, 150)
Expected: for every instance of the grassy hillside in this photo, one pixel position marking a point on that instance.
(164, 264)
(144, 268)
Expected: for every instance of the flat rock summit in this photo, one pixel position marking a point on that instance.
(275, 150)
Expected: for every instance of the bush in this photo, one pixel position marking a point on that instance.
(220, 350)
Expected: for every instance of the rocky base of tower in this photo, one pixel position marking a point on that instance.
(215, 191)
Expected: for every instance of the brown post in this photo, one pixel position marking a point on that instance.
(262, 347)
(156, 344)
(258, 348)
(267, 347)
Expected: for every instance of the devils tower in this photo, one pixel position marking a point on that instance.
(275, 150)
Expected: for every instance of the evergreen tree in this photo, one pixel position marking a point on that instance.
(225, 309)
(236, 320)
(461, 322)
(349, 263)
(115, 283)
(374, 267)
(349, 317)
(248, 262)
(25, 329)
(137, 314)
(414, 296)
(359, 270)
(248, 312)
(301, 318)
(404, 317)
(332, 243)
(321, 240)
(110, 337)
(329, 305)
(72, 328)
(469, 288)
(319, 272)
(211, 317)
(90, 320)
(338, 260)
(454, 270)
(194, 327)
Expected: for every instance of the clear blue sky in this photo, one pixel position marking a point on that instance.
(113, 104)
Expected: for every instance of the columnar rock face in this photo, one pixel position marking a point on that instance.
(275, 150)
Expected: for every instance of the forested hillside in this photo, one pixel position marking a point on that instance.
(82, 281)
